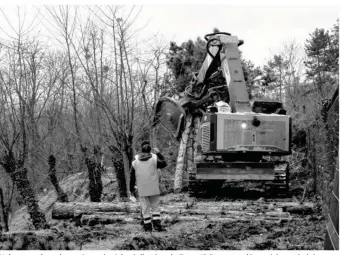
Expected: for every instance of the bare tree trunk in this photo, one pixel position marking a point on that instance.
(3, 214)
(18, 174)
(312, 156)
(94, 170)
(178, 180)
(153, 136)
(127, 158)
(197, 157)
(23, 186)
(119, 172)
(62, 197)
(190, 148)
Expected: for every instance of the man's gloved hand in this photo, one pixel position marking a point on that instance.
(156, 150)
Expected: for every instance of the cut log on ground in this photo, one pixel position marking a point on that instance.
(68, 210)
(99, 218)
(94, 219)
(299, 209)
(234, 204)
(237, 206)
(197, 213)
(73, 209)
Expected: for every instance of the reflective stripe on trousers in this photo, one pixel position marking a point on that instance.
(150, 206)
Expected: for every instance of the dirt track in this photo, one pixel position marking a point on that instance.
(203, 224)
(234, 222)
(248, 227)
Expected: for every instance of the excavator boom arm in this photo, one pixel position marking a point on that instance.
(233, 72)
(229, 59)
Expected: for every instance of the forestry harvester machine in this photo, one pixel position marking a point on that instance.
(232, 137)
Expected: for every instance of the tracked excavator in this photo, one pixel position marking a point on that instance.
(233, 136)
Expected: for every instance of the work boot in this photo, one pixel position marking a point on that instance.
(147, 227)
(157, 226)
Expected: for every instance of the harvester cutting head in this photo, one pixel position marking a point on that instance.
(208, 86)
(171, 115)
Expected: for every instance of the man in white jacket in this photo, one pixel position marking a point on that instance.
(145, 173)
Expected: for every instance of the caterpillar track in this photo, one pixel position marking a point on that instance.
(279, 187)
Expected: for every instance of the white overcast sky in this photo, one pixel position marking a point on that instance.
(264, 27)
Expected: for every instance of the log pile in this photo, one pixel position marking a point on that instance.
(126, 212)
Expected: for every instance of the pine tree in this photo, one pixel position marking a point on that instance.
(277, 68)
(250, 73)
(187, 58)
(334, 49)
(318, 52)
(184, 59)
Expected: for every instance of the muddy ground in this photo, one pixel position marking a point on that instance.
(237, 221)
(301, 232)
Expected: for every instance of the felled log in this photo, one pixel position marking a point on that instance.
(223, 212)
(72, 209)
(104, 218)
(94, 219)
(245, 206)
(299, 209)
(69, 210)
(200, 218)
(237, 204)
(169, 215)
(193, 212)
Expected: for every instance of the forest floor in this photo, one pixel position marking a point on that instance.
(237, 221)
(208, 229)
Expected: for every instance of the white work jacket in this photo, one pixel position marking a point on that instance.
(147, 176)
